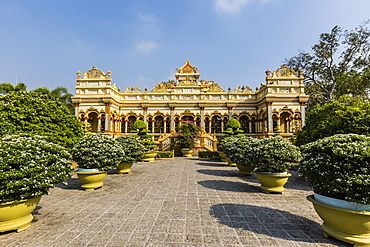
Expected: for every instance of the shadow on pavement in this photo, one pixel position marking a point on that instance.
(220, 173)
(229, 186)
(271, 222)
(211, 163)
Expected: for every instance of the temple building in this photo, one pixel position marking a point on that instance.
(277, 105)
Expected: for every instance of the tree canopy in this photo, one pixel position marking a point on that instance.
(34, 113)
(58, 93)
(338, 64)
(7, 87)
(346, 115)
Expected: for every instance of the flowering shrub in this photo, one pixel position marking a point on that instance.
(276, 155)
(97, 151)
(187, 135)
(241, 149)
(339, 167)
(36, 114)
(30, 165)
(132, 147)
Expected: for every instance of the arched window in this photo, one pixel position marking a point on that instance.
(244, 122)
(130, 123)
(158, 124)
(168, 125)
(102, 127)
(197, 122)
(216, 124)
(187, 118)
(224, 120)
(206, 123)
(254, 129)
(177, 122)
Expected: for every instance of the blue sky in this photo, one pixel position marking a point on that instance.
(45, 42)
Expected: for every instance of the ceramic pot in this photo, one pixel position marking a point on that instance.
(16, 215)
(124, 168)
(273, 182)
(348, 225)
(187, 152)
(149, 156)
(245, 170)
(91, 180)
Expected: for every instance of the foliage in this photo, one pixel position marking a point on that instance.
(343, 116)
(276, 155)
(146, 140)
(7, 87)
(207, 154)
(339, 167)
(58, 93)
(338, 65)
(166, 154)
(30, 165)
(233, 123)
(139, 125)
(188, 134)
(97, 151)
(29, 112)
(241, 149)
(132, 147)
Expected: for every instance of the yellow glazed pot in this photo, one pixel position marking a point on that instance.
(229, 162)
(222, 156)
(16, 215)
(348, 225)
(149, 156)
(187, 152)
(245, 170)
(91, 180)
(272, 182)
(124, 168)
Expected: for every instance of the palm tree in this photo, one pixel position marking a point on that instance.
(7, 87)
(58, 93)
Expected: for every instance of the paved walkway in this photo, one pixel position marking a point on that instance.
(181, 202)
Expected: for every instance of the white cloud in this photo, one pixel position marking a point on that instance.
(231, 6)
(147, 18)
(147, 46)
(141, 79)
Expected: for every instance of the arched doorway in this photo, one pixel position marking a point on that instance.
(285, 122)
(93, 121)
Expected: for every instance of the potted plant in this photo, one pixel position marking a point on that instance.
(338, 169)
(140, 127)
(206, 155)
(273, 158)
(134, 152)
(232, 129)
(187, 137)
(29, 166)
(96, 154)
(166, 155)
(242, 151)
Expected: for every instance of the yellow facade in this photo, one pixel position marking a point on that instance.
(278, 104)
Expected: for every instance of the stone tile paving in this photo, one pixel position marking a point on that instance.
(181, 202)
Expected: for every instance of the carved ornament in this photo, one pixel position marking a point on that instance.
(284, 71)
(162, 87)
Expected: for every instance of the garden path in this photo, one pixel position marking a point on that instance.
(181, 202)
